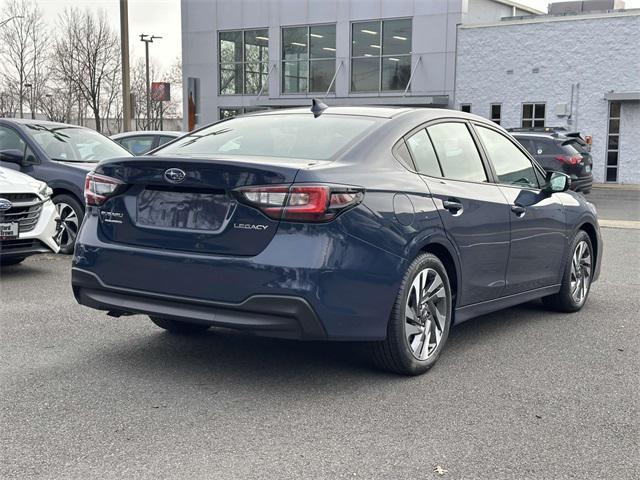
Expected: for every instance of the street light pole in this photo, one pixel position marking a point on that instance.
(147, 39)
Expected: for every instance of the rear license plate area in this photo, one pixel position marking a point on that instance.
(181, 209)
(9, 231)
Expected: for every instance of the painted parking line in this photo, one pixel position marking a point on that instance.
(628, 224)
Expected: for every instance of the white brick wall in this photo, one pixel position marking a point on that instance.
(629, 156)
(598, 52)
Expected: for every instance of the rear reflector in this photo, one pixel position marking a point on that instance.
(97, 188)
(301, 202)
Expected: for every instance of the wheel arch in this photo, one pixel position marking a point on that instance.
(66, 191)
(450, 262)
(590, 230)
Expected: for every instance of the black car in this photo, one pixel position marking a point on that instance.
(60, 155)
(560, 151)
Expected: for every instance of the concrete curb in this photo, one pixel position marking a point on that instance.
(617, 186)
(625, 224)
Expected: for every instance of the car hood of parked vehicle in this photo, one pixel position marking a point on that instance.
(16, 182)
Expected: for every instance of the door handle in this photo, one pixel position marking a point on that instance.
(453, 206)
(518, 210)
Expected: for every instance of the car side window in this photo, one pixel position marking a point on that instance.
(423, 154)
(10, 140)
(137, 145)
(545, 146)
(401, 152)
(164, 139)
(457, 152)
(512, 166)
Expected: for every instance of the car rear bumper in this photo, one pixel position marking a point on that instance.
(269, 315)
(582, 183)
(311, 271)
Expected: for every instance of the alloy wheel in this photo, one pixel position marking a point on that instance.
(425, 313)
(580, 272)
(69, 225)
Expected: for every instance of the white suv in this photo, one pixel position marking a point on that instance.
(28, 218)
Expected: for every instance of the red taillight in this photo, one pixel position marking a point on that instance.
(573, 160)
(302, 203)
(97, 188)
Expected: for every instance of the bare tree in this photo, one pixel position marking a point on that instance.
(8, 101)
(22, 50)
(87, 56)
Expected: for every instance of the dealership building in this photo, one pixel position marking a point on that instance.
(578, 69)
(575, 68)
(242, 55)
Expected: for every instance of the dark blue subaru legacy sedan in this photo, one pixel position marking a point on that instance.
(384, 225)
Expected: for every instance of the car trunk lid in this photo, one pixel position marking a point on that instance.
(187, 205)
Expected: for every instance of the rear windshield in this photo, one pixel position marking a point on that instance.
(576, 145)
(289, 136)
(572, 148)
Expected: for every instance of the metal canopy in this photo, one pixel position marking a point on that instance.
(630, 96)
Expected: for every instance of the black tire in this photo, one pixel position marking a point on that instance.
(586, 191)
(69, 239)
(176, 326)
(564, 301)
(6, 262)
(394, 353)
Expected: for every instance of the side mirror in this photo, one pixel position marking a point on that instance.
(557, 182)
(12, 156)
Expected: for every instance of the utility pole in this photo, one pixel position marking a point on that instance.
(147, 39)
(126, 72)
(30, 87)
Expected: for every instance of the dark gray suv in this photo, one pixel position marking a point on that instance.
(559, 151)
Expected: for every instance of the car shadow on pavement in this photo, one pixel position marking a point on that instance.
(23, 270)
(221, 356)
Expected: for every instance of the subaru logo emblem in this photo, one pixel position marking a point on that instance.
(5, 205)
(175, 175)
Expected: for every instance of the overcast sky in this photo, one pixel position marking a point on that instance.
(162, 17)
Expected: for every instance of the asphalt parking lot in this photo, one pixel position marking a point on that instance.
(616, 203)
(524, 393)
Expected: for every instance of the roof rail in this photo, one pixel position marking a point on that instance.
(539, 129)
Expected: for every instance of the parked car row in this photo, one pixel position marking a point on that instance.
(61, 155)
